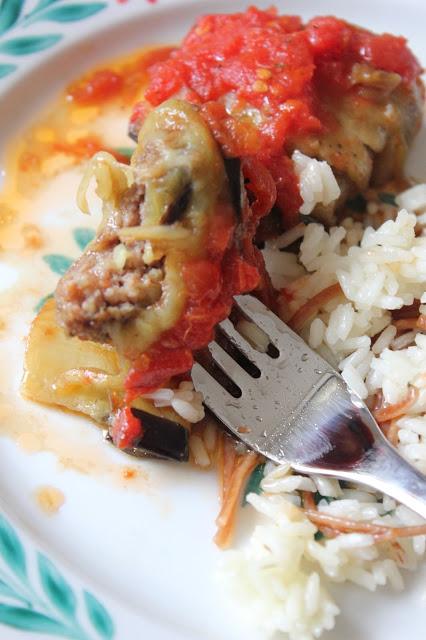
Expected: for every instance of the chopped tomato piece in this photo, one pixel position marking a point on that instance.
(157, 366)
(390, 53)
(328, 36)
(203, 280)
(126, 428)
(246, 276)
(140, 111)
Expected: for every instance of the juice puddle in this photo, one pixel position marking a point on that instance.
(41, 232)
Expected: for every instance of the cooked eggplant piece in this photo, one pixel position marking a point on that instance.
(367, 136)
(161, 438)
(373, 129)
(127, 287)
(79, 376)
(236, 184)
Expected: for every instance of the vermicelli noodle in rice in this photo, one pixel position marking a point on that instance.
(288, 561)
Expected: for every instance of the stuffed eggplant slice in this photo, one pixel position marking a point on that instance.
(127, 287)
(269, 84)
(174, 246)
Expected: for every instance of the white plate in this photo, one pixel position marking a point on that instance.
(145, 552)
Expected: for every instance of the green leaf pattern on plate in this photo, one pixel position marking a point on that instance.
(30, 620)
(28, 44)
(83, 236)
(48, 604)
(55, 586)
(11, 549)
(6, 591)
(99, 616)
(125, 151)
(253, 483)
(9, 13)
(41, 302)
(13, 17)
(64, 13)
(5, 69)
(58, 263)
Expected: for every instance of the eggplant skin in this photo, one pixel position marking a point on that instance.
(77, 375)
(162, 438)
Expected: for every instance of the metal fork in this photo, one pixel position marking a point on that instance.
(300, 411)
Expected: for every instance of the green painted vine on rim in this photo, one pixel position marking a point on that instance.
(9, 13)
(13, 15)
(25, 45)
(52, 607)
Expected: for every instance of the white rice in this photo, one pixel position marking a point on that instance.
(413, 199)
(385, 271)
(281, 575)
(198, 450)
(187, 402)
(268, 576)
(317, 182)
(253, 334)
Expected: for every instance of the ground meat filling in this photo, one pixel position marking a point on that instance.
(109, 282)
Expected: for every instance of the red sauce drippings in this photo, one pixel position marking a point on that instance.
(102, 85)
(120, 83)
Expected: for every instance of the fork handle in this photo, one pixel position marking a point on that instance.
(383, 469)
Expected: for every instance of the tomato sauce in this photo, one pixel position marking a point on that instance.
(66, 134)
(121, 82)
(258, 78)
(271, 63)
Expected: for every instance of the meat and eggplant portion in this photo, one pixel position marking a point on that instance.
(369, 130)
(269, 84)
(170, 228)
(174, 246)
(128, 287)
(88, 378)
